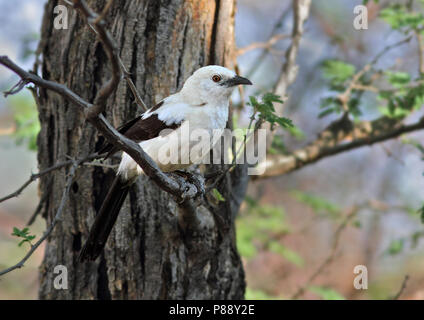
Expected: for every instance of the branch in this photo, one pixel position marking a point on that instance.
(262, 45)
(35, 176)
(402, 288)
(350, 214)
(274, 31)
(420, 51)
(61, 89)
(41, 203)
(331, 256)
(56, 218)
(137, 97)
(330, 142)
(290, 68)
(111, 51)
(344, 97)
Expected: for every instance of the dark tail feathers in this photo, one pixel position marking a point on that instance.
(105, 220)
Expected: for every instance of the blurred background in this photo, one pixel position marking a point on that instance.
(301, 234)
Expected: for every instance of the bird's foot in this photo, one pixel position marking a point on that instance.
(195, 179)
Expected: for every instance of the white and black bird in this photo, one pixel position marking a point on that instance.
(202, 103)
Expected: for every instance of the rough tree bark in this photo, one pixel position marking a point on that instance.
(151, 253)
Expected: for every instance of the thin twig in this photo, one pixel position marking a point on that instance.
(56, 219)
(35, 176)
(137, 97)
(331, 256)
(40, 203)
(111, 50)
(265, 52)
(103, 165)
(344, 97)
(290, 68)
(262, 45)
(402, 288)
(420, 51)
(246, 137)
(61, 89)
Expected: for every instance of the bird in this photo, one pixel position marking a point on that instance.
(202, 103)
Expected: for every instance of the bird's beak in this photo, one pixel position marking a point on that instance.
(236, 81)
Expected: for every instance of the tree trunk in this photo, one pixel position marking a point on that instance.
(152, 253)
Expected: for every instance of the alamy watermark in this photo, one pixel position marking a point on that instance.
(186, 146)
(360, 22)
(60, 281)
(360, 282)
(60, 21)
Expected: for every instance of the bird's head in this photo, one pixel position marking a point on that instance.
(212, 83)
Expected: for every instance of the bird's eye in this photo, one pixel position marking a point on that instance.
(216, 78)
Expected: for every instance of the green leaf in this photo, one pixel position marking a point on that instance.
(398, 79)
(318, 204)
(396, 247)
(421, 212)
(277, 145)
(266, 110)
(257, 226)
(394, 113)
(24, 233)
(337, 72)
(270, 97)
(400, 18)
(218, 196)
(26, 120)
(326, 112)
(284, 122)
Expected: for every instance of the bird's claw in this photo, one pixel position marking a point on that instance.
(197, 180)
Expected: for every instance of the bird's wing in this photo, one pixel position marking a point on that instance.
(144, 127)
(149, 128)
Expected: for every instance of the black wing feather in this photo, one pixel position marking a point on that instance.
(139, 129)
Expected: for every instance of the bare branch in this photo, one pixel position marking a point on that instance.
(331, 256)
(98, 27)
(420, 51)
(40, 203)
(330, 142)
(61, 89)
(97, 21)
(56, 219)
(262, 45)
(137, 97)
(289, 70)
(274, 31)
(35, 176)
(402, 288)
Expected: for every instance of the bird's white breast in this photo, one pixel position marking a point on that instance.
(208, 117)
